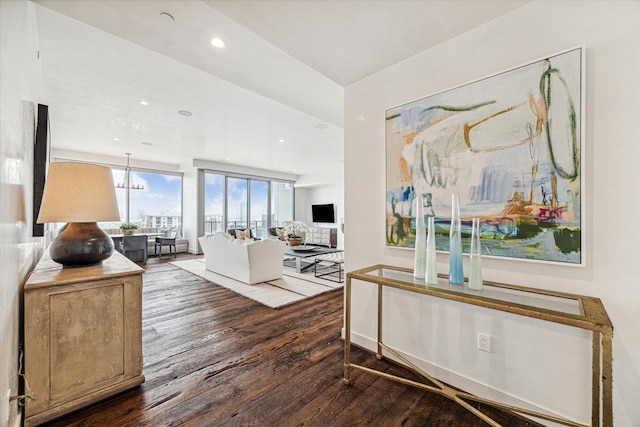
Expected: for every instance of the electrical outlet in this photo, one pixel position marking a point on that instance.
(484, 342)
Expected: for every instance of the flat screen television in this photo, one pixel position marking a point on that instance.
(323, 213)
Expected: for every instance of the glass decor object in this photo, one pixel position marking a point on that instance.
(419, 264)
(432, 269)
(475, 264)
(456, 275)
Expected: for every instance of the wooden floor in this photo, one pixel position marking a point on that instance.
(213, 358)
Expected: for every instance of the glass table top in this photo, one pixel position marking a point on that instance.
(493, 291)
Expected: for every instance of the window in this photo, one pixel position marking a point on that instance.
(213, 203)
(282, 207)
(259, 208)
(157, 204)
(235, 201)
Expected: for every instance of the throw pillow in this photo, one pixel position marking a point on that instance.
(280, 233)
(240, 234)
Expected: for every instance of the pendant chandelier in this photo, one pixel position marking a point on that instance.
(127, 181)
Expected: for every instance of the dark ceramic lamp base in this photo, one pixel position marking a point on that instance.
(81, 243)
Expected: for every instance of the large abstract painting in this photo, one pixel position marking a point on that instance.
(510, 146)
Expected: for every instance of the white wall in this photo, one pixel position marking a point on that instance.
(610, 32)
(193, 222)
(321, 189)
(135, 162)
(330, 193)
(20, 88)
(302, 208)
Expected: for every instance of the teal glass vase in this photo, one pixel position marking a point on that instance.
(419, 264)
(475, 263)
(432, 267)
(456, 274)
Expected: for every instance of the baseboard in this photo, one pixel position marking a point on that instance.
(16, 421)
(455, 380)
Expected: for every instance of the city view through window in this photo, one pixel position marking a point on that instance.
(254, 203)
(156, 201)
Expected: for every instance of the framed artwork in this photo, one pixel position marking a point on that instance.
(40, 153)
(510, 145)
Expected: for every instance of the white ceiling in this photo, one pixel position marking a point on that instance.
(281, 74)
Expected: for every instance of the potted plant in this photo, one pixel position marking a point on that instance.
(128, 228)
(294, 232)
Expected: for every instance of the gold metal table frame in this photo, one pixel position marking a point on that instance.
(590, 315)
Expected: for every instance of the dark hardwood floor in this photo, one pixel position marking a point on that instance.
(213, 358)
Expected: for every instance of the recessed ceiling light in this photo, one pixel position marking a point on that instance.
(116, 139)
(282, 140)
(166, 17)
(322, 126)
(143, 102)
(184, 113)
(217, 42)
(147, 143)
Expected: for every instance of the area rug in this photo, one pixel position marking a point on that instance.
(291, 288)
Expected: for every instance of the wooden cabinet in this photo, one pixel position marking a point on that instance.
(322, 237)
(82, 335)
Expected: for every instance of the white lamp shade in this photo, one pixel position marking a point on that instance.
(78, 192)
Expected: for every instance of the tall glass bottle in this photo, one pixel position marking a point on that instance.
(419, 264)
(456, 274)
(475, 264)
(432, 268)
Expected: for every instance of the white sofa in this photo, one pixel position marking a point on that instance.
(248, 261)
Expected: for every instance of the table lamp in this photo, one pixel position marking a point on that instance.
(79, 194)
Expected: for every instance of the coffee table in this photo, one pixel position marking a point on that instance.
(301, 252)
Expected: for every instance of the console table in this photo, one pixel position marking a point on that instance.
(82, 335)
(567, 309)
(321, 237)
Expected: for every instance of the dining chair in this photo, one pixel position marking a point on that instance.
(169, 240)
(135, 243)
